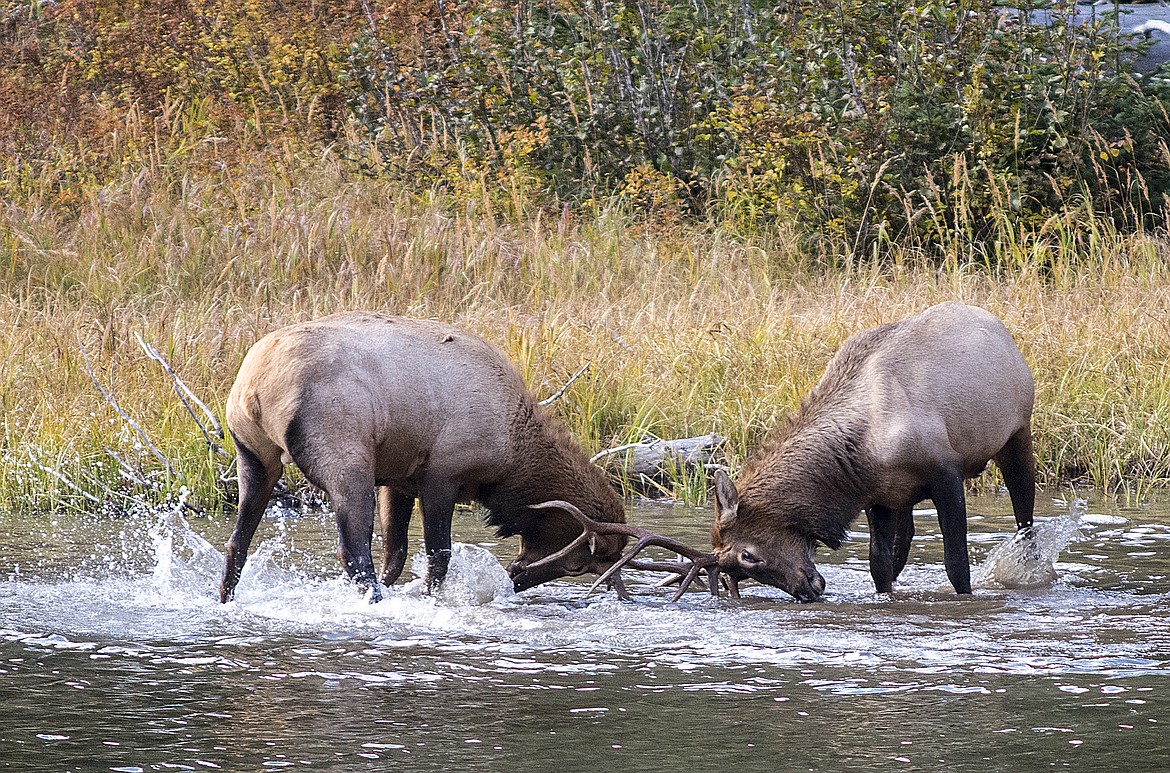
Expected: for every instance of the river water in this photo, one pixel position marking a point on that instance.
(116, 656)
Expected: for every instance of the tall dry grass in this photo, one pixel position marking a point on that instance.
(689, 329)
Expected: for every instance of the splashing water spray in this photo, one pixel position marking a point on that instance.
(1028, 558)
(184, 562)
(474, 578)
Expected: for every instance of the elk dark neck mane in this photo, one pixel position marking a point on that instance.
(548, 464)
(812, 472)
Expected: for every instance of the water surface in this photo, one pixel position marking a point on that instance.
(115, 655)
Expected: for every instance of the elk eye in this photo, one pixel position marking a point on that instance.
(749, 558)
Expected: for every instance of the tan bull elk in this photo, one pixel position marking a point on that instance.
(379, 411)
(904, 412)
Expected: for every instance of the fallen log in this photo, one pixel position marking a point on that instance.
(651, 457)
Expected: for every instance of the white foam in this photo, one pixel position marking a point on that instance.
(159, 603)
(1099, 519)
(474, 594)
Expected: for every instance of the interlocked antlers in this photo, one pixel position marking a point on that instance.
(687, 573)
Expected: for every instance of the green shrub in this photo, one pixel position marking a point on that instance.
(864, 122)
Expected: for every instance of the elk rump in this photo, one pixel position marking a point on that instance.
(379, 411)
(904, 412)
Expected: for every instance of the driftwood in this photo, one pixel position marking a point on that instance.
(652, 456)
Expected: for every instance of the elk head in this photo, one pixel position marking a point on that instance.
(762, 549)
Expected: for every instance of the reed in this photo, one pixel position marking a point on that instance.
(690, 328)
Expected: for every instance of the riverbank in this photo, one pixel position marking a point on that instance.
(688, 328)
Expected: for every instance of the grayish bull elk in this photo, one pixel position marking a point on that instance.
(904, 412)
(379, 411)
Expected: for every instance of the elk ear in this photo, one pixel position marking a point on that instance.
(726, 499)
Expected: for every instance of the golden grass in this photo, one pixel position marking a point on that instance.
(689, 329)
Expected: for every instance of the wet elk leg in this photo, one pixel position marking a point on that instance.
(257, 479)
(438, 499)
(1018, 467)
(394, 511)
(352, 498)
(951, 502)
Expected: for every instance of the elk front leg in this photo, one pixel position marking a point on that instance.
(903, 537)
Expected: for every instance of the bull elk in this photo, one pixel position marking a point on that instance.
(379, 411)
(904, 412)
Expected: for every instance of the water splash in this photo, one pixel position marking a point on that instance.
(1028, 558)
(178, 566)
(475, 577)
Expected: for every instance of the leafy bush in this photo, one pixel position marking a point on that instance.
(879, 118)
(858, 118)
(863, 121)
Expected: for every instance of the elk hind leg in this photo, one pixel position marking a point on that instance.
(903, 537)
(881, 547)
(890, 535)
(395, 508)
(1018, 467)
(258, 476)
(352, 498)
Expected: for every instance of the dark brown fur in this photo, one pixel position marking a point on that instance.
(812, 469)
(549, 465)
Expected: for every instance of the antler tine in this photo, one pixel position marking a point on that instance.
(598, 527)
(685, 575)
(621, 562)
(572, 510)
(584, 536)
(692, 575)
(699, 560)
(625, 529)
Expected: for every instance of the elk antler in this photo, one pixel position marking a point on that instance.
(699, 561)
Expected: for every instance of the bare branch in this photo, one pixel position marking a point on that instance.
(128, 472)
(557, 394)
(615, 450)
(125, 416)
(226, 475)
(186, 396)
(70, 484)
(135, 477)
